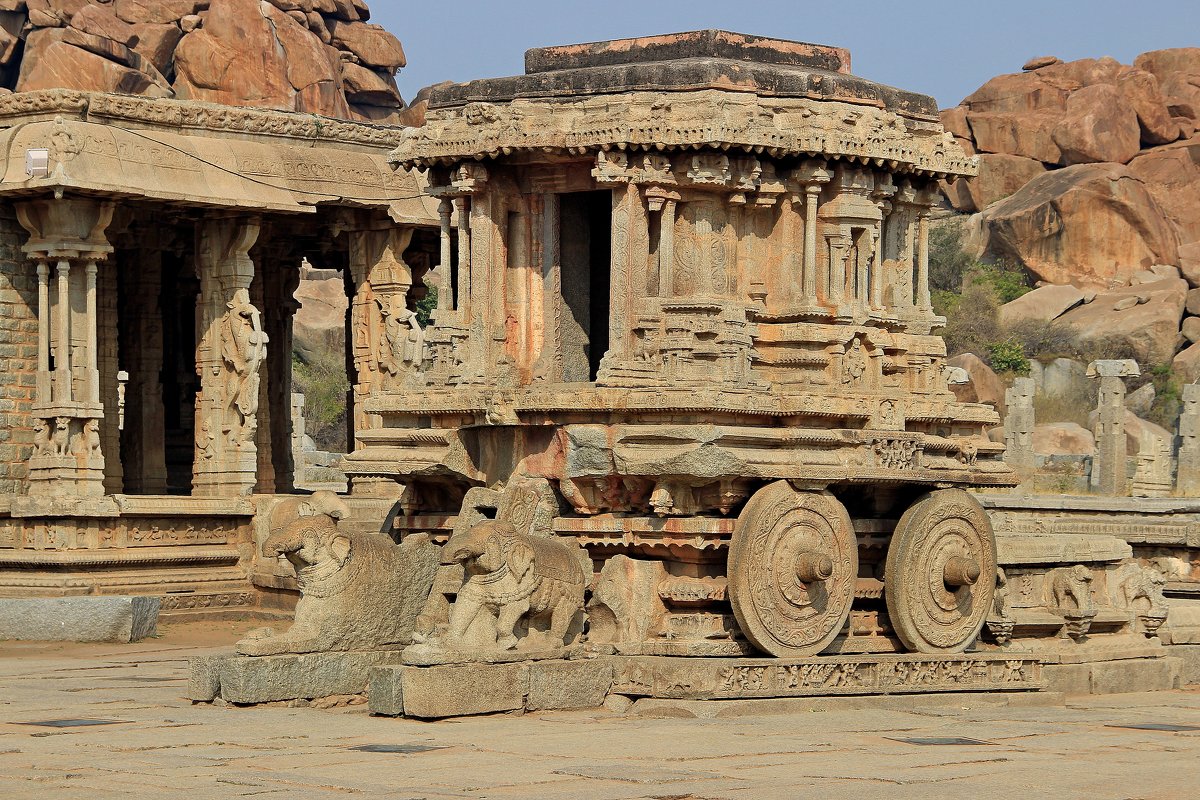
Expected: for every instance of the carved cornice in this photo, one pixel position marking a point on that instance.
(176, 114)
(676, 121)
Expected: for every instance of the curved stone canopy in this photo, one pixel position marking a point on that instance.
(704, 89)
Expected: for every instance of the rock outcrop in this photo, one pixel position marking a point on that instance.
(1085, 166)
(314, 56)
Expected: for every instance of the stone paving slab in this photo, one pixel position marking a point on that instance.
(165, 747)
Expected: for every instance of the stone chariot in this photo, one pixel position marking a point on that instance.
(684, 325)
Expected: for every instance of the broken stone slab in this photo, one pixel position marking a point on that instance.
(79, 619)
(247, 680)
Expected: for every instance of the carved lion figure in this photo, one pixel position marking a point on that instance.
(358, 592)
(509, 577)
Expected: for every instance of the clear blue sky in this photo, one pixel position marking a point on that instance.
(940, 48)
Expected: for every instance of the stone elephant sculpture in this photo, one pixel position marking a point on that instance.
(358, 591)
(510, 577)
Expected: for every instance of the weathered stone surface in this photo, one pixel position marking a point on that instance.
(101, 20)
(1147, 674)
(1186, 364)
(1097, 126)
(267, 679)
(1168, 174)
(1000, 176)
(371, 43)
(985, 385)
(1029, 136)
(1042, 304)
(385, 691)
(1146, 329)
(79, 619)
(1140, 401)
(1061, 376)
(1041, 61)
(462, 690)
(358, 591)
(582, 683)
(1088, 223)
(1063, 438)
(52, 63)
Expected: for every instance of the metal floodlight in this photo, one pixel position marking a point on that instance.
(37, 163)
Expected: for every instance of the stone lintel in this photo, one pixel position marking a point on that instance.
(690, 44)
(1114, 368)
(79, 619)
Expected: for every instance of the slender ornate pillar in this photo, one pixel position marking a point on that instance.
(924, 302)
(462, 207)
(70, 233)
(445, 284)
(62, 356)
(877, 269)
(666, 250)
(1187, 482)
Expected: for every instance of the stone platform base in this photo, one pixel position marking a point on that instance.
(1114, 677)
(79, 619)
(465, 689)
(247, 680)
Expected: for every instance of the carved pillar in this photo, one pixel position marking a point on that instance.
(549, 366)
(630, 246)
(462, 205)
(231, 349)
(445, 286)
(876, 302)
(924, 302)
(69, 235)
(1109, 469)
(1188, 479)
(264, 472)
(812, 194)
(1018, 424)
(386, 341)
(666, 249)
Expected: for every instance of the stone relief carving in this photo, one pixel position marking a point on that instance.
(243, 349)
(358, 591)
(513, 578)
(1071, 588)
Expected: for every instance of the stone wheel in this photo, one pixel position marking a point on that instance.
(940, 573)
(793, 563)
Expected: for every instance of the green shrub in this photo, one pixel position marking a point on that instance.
(322, 378)
(974, 322)
(1008, 356)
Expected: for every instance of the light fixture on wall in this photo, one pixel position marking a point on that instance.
(37, 163)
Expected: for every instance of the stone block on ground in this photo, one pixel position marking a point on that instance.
(204, 678)
(1189, 659)
(385, 691)
(1136, 674)
(265, 679)
(463, 689)
(582, 683)
(79, 619)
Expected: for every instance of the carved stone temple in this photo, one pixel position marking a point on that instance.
(149, 250)
(687, 333)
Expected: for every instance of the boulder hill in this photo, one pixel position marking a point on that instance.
(316, 56)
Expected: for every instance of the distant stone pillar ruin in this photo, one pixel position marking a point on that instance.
(1018, 424)
(1109, 471)
(1187, 482)
(68, 240)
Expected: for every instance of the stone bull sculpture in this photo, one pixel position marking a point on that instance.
(358, 592)
(510, 578)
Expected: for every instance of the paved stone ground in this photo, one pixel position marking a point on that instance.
(161, 746)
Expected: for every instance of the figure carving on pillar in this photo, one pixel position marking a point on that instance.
(243, 349)
(404, 341)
